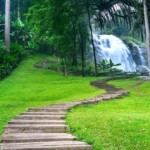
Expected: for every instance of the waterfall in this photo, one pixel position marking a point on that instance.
(111, 47)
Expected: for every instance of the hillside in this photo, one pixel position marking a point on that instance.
(28, 86)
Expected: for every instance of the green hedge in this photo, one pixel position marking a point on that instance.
(8, 61)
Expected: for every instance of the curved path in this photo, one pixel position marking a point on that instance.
(45, 128)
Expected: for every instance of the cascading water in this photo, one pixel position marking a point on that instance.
(139, 58)
(110, 47)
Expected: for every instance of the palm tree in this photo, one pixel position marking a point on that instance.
(126, 9)
(7, 25)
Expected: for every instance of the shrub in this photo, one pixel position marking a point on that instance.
(8, 61)
(17, 51)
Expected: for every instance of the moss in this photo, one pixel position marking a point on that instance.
(129, 39)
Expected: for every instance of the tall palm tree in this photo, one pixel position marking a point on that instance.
(7, 24)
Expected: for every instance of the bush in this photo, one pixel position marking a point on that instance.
(8, 61)
(17, 51)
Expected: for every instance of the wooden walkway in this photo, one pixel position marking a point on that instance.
(45, 128)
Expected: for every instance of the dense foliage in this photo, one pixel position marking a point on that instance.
(8, 61)
(22, 41)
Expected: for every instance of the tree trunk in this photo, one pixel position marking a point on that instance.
(92, 39)
(147, 31)
(7, 24)
(82, 54)
(18, 10)
(74, 56)
(65, 67)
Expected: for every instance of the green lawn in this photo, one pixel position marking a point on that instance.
(123, 124)
(28, 86)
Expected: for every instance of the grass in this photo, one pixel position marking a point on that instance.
(28, 86)
(122, 124)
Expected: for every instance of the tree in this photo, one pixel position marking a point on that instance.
(62, 24)
(147, 27)
(19, 8)
(7, 24)
(92, 38)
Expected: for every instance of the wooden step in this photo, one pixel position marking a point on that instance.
(54, 128)
(57, 145)
(40, 117)
(47, 110)
(65, 104)
(36, 137)
(19, 121)
(44, 113)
